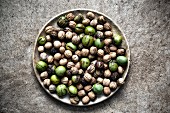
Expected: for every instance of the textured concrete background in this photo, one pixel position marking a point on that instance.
(146, 24)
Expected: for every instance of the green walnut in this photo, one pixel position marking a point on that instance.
(41, 66)
(72, 90)
(62, 22)
(61, 90)
(113, 66)
(117, 40)
(41, 40)
(87, 41)
(70, 46)
(60, 71)
(78, 18)
(79, 28)
(85, 62)
(97, 88)
(54, 79)
(99, 43)
(90, 30)
(121, 60)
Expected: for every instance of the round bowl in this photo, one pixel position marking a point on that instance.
(52, 21)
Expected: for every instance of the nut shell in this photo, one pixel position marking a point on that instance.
(99, 65)
(93, 22)
(113, 48)
(106, 82)
(101, 20)
(93, 81)
(106, 91)
(100, 52)
(85, 100)
(81, 72)
(86, 22)
(76, 39)
(41, 49)
(91, 95)
(100, 80)
(93, 50)
(62, 49)
(48, 45)
(107, 41)
(108, 33)
(74, 70)
(112, 54)
(48, 38)
(120, 70)
(46, 82)
(81, 93)
(69, 35)
(72, 24)
(44, 75)
(120, 51)
(106, 50)
(70, 16)
(91, 69)
(74, 100)
(63, 61)
(107, 73)
(99, 27)
(120, 81)
(50, 59)
(78, 65)
(57, 56)
(70, 65)
(64, 80)
(57, 44)
(87, 77)
(61, 35)
(78, 52)
(107, 26)
(113, 85)
(90, 15)
(51, 30)
(52, 88)
(75, 58)
(79, 86)
(68, 54)
(43, 56)
(88, 88)
(106, 58)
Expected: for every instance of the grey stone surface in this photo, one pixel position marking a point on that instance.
(146, 24)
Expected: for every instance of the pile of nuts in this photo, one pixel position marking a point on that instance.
(81, 57)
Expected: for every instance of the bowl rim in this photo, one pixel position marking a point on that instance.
(73, 10)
